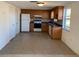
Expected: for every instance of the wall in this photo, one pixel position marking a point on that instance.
(44, 13)
(8, 23)
(71, 38)
(18, 11)
(4, 22)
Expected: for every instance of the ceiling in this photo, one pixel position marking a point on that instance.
(33, 5)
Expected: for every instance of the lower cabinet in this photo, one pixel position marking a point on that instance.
(31, 27)
(50, 28)
(45, 27)
(56, 32)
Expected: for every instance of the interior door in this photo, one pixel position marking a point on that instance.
(25, 22)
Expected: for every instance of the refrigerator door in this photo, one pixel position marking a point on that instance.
(25, 23)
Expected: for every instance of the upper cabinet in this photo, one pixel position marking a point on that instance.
(57, 12)
(52, 14)
(60, 13)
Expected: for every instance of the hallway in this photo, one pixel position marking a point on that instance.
(35, 44)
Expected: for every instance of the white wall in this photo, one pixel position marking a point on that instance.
(71, 38)
(4, 22)
(18, 20)
(9, 23)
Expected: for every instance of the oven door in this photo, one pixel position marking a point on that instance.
(37, 25)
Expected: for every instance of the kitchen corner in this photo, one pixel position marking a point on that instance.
(43, 25)
(55, 29)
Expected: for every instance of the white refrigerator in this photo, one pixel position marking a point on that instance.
(25, 22)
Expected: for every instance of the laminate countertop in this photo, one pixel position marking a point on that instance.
(51, 23)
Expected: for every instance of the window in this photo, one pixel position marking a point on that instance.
(66, 22)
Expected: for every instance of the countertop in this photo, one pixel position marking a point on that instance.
(51, 23)
(41, 21)
(58, 23)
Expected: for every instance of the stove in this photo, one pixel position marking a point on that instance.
(37, 25)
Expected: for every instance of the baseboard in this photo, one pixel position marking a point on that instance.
(3, 45)
(9, 40)
(64, 41)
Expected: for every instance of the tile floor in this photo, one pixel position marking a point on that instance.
(36, 44)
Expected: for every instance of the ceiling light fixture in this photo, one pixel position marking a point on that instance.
(40, 3)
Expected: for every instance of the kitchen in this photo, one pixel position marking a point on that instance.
(39, 30)
(48, 21)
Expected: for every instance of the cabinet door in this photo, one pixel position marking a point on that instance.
(50, 30)
(57, 32)
(52, 14)
(56, 13)
(44, 27)
(60, 13)
(31, 27)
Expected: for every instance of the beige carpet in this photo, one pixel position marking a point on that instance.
(36, 44)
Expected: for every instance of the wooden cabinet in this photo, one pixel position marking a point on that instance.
(44, 13)
(50, 28)
(58, 12)
(31, 27)
(52, 14)
(56, 32)
(44, 27)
